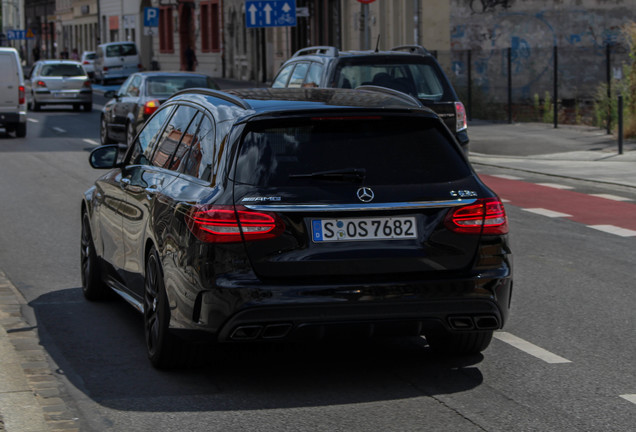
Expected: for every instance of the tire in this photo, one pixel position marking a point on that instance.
(93, 286)
(130, 133)
(88, 107)
(103, 132)
(20, 130)
(76, 107)
(465, 343)
(34, 105)
(165, 350)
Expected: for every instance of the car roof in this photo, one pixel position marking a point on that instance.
(333, 52)
(167, 73)
(55, 61)
(256, 101)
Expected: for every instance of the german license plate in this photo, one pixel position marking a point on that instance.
(380, 228)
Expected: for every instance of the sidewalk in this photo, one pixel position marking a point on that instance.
(590, 154)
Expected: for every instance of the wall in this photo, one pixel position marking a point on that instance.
(580, 29)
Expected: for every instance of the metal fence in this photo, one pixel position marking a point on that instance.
(521, 84)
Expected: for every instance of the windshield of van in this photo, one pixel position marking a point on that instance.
(121, 50)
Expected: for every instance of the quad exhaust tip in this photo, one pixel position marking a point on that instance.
(477, 322)
(269, 332)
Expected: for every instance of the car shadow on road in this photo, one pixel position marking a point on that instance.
(100, 347)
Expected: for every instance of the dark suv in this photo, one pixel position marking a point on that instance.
(410, 69)
(292, 214)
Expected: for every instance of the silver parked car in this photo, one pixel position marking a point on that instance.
(59, 82)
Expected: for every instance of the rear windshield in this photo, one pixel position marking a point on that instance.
(420, 79)
(90, 56)
(166, 86)
(62, 70)
(389, 150)
(121, 50)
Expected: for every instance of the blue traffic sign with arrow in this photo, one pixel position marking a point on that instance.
(270, 13)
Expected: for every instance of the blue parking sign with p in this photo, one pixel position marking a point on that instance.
(151, 17)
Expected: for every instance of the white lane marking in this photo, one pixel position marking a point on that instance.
(57, 129)
(90, 141)
(33, 120)
(529, 348)
(611, 229)
(555, 185)
(507, 177)
(629, 397)
(611, 197)
(546, 212)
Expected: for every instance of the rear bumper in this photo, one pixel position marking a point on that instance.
(52, 98)
(11, 119)
(293, 313)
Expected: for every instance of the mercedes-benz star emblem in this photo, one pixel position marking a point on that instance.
(365, 194)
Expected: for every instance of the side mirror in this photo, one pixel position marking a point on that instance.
(110, 94)
(106, 157)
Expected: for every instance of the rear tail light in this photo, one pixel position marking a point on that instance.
(40, 84)
(140, 66)
(21, 95)
(87, 83)
(85, 62)
(460, 116)
(105, 68)
(225, 224)
(151, 106)
(485, 216)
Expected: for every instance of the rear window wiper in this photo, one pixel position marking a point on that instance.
(347, 174)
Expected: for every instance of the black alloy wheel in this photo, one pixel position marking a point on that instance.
(93, 286)
(103, 132)
(165, 350)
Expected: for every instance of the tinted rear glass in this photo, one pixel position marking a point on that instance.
(62, 70)
(417, 78)
(392, 151)
(167, 85)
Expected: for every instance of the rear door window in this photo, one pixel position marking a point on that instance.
(201, 160)
(388, 150)
(283, 77)
(298, 76)
(145, 143)
(172, 135)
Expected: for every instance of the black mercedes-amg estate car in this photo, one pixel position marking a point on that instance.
(292, 214)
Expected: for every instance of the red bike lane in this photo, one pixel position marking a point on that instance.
(583, 208)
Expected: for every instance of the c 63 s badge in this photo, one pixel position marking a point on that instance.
(463, 193)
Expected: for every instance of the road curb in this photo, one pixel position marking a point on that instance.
(31, 395)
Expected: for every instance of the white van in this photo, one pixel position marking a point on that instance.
(13, 106)
(116, 60)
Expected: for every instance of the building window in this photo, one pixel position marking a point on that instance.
(166, 30)
(210, 40)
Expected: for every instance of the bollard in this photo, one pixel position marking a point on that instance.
(620, 124)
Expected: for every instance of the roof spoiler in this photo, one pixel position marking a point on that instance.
(412, 49)
(217, 94)
(329, 50)
(395, 93)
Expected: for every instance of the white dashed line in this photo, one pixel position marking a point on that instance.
(611, 229)
(529, 348)
(546, 212)
(57, 129)
(90, 141)
(33, 120)
(507, 177)
(611, 197)
(555, 186)
(629, 397)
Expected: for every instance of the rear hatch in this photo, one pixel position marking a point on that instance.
(360, 197)
(63, 76)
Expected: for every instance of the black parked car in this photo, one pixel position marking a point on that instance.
(281, 214)
(140, 96)
(410, 69)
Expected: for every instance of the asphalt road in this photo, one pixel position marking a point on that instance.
(564, 362)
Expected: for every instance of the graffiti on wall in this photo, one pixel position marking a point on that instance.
(531, 36)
